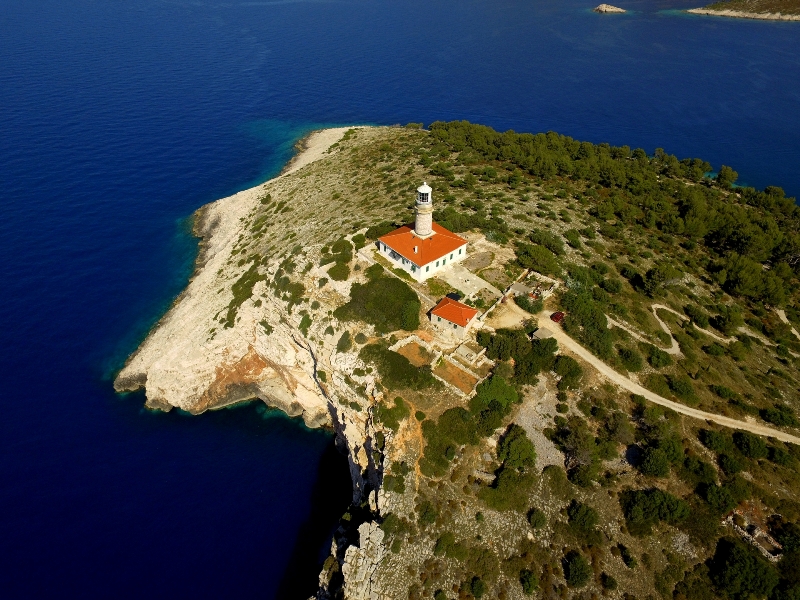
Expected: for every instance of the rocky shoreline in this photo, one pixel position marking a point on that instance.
(739, 14)
(191, 361)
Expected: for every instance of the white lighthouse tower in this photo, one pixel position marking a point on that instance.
(423, 224)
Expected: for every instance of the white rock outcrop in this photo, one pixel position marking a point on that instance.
(607, 8)
(192, 362)
(361, 563)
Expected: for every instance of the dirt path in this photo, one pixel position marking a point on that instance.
(566, 342)
(782, 316)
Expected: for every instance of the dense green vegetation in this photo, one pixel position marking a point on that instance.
(622, 229)
(385, 302)
(457, 427)
(396, 370)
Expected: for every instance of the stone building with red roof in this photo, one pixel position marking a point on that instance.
(453, 316)
(426, 248)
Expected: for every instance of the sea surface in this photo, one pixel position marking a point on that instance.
(119, 119)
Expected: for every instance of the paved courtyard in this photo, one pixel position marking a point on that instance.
(464, 280)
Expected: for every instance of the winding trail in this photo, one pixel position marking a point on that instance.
(568, 343)
(782, 316)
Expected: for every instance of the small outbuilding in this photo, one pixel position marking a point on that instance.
(542, 334)
(453, 316)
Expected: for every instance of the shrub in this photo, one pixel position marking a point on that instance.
(577, 570)
(608, 582)
(529, 581)
(586, 321)
(379, 230)
(509, 491)
(645, 508)
(339, 272)
(537, 518)
(515, 450)
(657, 358)
(396, 370)
(391, 417)
(305, 323)
(447, 545)
(569, 370)
(426, 513)
(740, 572)
(630, 359)
(717, 441)
(627, 556)
(345, 342)
(779, 415)
(752, 446)
(528, 304)
(361, 338)
(582, 518)
(612, 285)
(714, 350)
(697, 315)
(719, 498)
(538, 258)
(730, 464)
(385, 302)
(359, 241)
(655, 463)
(455, 427)
(478, 587)
(549, 240)
(682, 387)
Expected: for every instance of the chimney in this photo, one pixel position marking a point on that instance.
(415, 249)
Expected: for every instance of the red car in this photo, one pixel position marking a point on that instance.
(557, 317)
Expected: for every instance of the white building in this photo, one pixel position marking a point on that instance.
(428, 247)
(452, 316)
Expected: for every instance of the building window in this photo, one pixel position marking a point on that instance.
(437, 263)
(444, 260)
(413, 269)
(459, 250)
(455, 326)
(428, 268)
(440, 318)
(451, 257)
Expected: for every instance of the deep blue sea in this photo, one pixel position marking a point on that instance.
(119, 119)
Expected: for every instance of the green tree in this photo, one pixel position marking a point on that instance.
(538, 258)
(537, 518)
(529, 581)
(577, 570)
(740, 572)
(726, 177)
(582, 517)
(345, 342)
(752, 446)
(515, 450)
(655, 463)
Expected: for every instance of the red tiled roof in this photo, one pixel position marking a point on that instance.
(455, 312)
(441, 243)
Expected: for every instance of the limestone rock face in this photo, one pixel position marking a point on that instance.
(607, 8)
(192, 361)
(361, 563)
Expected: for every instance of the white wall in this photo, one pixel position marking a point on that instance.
(423, 272)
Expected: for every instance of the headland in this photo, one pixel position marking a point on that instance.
(596, 397)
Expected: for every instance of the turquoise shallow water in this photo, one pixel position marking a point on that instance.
(118, 120)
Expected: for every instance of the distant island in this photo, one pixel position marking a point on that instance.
(607, 8)
(771, 10)
(558, 369)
